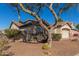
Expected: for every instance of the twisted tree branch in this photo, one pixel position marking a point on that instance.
(33, 14)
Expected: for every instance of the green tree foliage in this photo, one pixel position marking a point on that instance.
(60, 20)
(77, 26)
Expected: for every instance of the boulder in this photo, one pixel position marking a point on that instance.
(3, 36)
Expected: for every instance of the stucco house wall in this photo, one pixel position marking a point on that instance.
(65, 31)
(14, 27)
(74, 34)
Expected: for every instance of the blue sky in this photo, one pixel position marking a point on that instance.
(7, 14)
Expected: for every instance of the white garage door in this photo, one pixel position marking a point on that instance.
(65, 34)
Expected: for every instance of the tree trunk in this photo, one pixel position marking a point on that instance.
(40, 22)
(34, 15)
(49, 38)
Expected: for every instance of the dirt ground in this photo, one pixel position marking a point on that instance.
(59, 48)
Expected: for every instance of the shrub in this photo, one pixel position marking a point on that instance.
(77, 26)
(3, 42)
(75, 39)
(11, 33)
(45, 46)
(56, 37)
(2, 46)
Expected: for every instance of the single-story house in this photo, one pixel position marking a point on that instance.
(26, 24)
(31, 27)
(66, 30)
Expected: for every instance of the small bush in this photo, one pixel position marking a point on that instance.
(3, 43)
(45, 46)
(56, 37)
(2, 46)
(11, 33)
(74, 39)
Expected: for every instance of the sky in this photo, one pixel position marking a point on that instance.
(8, 13)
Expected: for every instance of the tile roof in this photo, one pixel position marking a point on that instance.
(21, 24)
(18, 24)
(60, 24)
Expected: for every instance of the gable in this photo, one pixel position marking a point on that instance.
(13, 26)
(66, 26)
(57, 30)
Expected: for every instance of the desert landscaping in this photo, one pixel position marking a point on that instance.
(39, 29)
(59, 48)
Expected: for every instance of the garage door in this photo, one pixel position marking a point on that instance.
(65, 34)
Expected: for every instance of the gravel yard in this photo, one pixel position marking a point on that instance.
(59, 48)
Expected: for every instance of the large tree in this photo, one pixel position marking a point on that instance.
(16, 7)
(34, 10)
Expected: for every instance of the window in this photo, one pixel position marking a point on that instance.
(58, 30)
(75, 35)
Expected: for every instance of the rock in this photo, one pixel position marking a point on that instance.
(3, 36)
(77, 54)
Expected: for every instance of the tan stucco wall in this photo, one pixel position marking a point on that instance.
(61, 31)
(65, 26)
(57, 30)
(66, 32)
(14, 27)
(72, 32)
